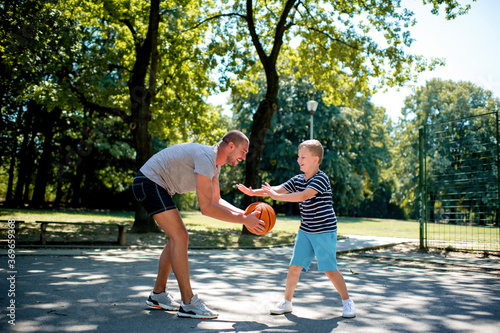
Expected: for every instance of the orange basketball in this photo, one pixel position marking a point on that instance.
(267, 215)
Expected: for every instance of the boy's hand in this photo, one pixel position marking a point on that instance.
(247, 190)
(268, 190)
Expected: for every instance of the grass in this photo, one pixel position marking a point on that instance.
(67, 215)
(465, 237)
(207, 232)
(204, 231)
(378, 227)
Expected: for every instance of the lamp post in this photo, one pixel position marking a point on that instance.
(311, 107)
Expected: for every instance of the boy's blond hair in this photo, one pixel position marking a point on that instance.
(314, 147)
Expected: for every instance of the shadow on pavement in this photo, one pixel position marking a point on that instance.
(105, 291)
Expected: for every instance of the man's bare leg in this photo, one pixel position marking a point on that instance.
(175, 254)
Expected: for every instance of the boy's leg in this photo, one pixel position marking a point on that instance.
(349, 309)
(302, 257)
(285, 305)
(291, 281)
(338, 282)
(175, 253)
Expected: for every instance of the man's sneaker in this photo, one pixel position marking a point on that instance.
(349, 309)
(162, 301)
(282, 307)
(197, 309)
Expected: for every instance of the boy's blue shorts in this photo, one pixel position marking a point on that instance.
(154, 198)
(323, 246)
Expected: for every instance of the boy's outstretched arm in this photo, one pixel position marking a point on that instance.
(259, 192)
(289, 197)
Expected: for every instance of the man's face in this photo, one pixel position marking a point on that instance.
(237, 154)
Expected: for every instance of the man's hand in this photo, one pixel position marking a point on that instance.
(253, 223)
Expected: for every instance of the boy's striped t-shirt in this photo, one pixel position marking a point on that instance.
(317, 212)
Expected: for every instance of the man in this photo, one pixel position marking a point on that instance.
(185, 168)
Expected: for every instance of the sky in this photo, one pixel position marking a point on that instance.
(470, 45)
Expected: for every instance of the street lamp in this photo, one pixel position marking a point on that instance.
(311, 107)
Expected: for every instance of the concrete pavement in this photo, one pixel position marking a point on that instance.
(103, 290)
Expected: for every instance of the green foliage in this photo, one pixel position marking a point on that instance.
(354, 140)
(378, 203)
(65, 94)
(346, 49)
(343, 47)
(438, 101)
(67, 67)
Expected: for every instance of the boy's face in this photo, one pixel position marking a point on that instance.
(307, 161)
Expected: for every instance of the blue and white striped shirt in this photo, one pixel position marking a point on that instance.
(317, 212)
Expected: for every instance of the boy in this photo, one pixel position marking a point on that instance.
(317, 235)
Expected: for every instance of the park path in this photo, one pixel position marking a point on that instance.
(103, 290)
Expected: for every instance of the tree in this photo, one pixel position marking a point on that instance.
(346, 48)
(439, 101)
(170, 63)
(100, 61)
(354, 140)
(25, 63)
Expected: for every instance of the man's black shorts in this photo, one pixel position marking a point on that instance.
(154, 198)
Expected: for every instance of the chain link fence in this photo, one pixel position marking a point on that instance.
(459, 184)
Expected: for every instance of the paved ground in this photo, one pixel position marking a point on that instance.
(103, 290)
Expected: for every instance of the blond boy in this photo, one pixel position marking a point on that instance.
(317, 235)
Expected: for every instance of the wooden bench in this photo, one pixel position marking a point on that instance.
(122, 231)
(16, 224)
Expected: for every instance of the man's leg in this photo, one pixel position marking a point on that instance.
(175, 254)
(164, 269)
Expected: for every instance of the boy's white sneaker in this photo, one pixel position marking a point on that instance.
(282, 307)
(349, 309)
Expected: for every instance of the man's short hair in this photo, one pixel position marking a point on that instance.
(314, 147)
(236, 137)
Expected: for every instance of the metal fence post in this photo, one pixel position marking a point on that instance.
(421, 184)
(498, 174)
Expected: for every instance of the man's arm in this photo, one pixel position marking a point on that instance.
(205, 191)
(221, 202)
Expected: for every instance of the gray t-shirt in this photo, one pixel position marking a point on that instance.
(175, 168)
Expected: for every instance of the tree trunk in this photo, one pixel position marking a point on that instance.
(141, 98)
(23, 155)
(143, 223)
(260, 125)
(29, 170)
(42, 172)
(59, 193)
(432, 201)
(10, 186)
(76, 186)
